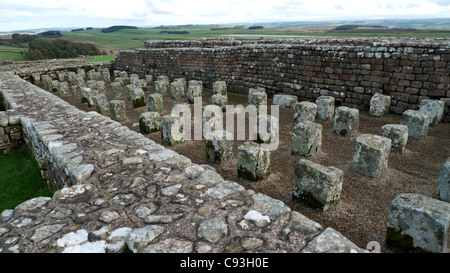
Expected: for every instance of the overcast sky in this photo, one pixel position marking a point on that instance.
(28, 14)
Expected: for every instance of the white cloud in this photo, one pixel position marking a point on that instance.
(81, 13)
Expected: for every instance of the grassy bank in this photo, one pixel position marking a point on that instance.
(20, 179)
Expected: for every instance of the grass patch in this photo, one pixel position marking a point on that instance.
(20, 179)
(101, 58)
(12, 53)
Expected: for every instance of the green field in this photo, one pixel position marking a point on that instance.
(12, 53)
(20, 179)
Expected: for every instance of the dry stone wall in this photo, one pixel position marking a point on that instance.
(350, 70)
(119, 191)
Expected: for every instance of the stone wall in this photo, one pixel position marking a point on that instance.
(351, 70)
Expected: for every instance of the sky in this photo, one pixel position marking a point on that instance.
(28, 14)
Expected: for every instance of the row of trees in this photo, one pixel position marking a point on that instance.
(40, 49)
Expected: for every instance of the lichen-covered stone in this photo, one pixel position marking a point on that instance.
(331, 241)
(325, 107)
(306, 138)
(139, 238)
(257, 98)
(304, 111)
(398, 134)
(117, 110)
(267, 129)
(194, 91)
(162, 86)
(379, 105)
(418, 123)
(286, 102)
(177, 90)
(171, 130)
(101, 104)
(346, 121)
(138, 97)
(213, 229)
(418, 222)
(116, 89)
(155, 102)
(63, 88)
(443, 187)
(220, 100)
(220, 87)
(371, 154)
(219, 147)
(149, 122)
(434, 108)
(317, 186)
(253, 163)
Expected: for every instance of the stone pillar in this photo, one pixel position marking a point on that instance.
(371, 155)
(398, 134)
(172, 130)
(267, 129)
(346, 121)
(286, 102)
(220, 87)
(304, 111)
(325, 107)
(116, 89)
(417, 122)
(434, 108)
(177, 90)
(155, 102)
(317, 186)
(219, 147)
(443, 188)
(306, 138)
(418, 223)
(101, 104)
(149, 122)
(253, 163)
(194, 91)
(379, 105)
(138, 97)
(117, 110)
(257, 98)
(220, 100)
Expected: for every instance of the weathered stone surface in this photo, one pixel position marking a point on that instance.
(331, 241)
(417, 122)
(142, 237)
(149, 122)
(306, 138)
(346, 121)
(101, 104)
(257, 99)
(371, 154)
(317, 186)
(325, 107)
(172, 130)
(220, 100)
(299, 223)
(194, 90)
(138, 97)
(162, 85)
(443, 187)
(418, 222)
(219, 147)
(116, 89)
(268, 206)
(267, 129)
(253, 163)
(379, 105)
(117, 110)
(63, 88)
(213, 229)
(285, 101)
(220, 87)
(304, 111)
(398, 134)
(44, 232)
(177, 90)
(155, 102)
(434, 108)
(170, 246)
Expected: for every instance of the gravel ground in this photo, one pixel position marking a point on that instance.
(362, 214)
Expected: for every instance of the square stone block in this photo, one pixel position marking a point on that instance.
(162, 87)
(177, 90)
(267, 129)
(63, 89)
(194, 91)
(379, 105)
(116, 89)
(257, 98)
(138, 97)
(100, 86)
(75, 91)
(101, 104)
(418, 123)
(418, 223)
(371, 155)
(306, 138)
(317, 186)
(304, 111)
(220, 87)
(220, 100)
(219, 147)
(149, 122)
(54, 86)
(398, 134)
(443, 188)
(286, 102)
(346, 121)
(253, 162)
(88, 94)
(149, 79)
(172, 130)
(117, 110)
(325, 107)
(155, 102)
(183, 83)
(434, 108)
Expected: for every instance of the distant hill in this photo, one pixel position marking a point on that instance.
(50, 34)
(116, 28)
